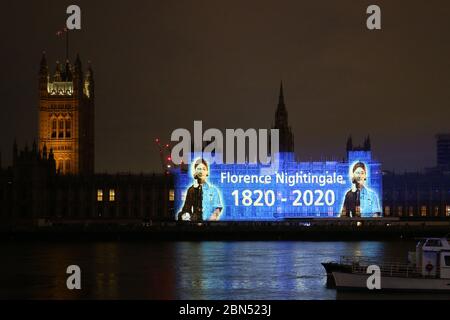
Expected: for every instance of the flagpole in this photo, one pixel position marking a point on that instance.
(67, 45)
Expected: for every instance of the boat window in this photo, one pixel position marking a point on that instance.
(447, 261)
(434, 243)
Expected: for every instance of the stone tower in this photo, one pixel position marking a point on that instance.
(66, 116)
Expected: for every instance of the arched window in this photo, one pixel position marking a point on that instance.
(54, 127)
(68, 128)
(61, 129)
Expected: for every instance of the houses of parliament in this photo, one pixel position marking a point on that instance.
(55, 179)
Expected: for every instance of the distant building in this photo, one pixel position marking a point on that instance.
(31, 190)
(416, 194)
(66, 116)
(443, 150)
(424, 194)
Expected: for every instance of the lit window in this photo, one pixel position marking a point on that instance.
(99, 195)
(400, 211)
(447, 211)
(330, 211)
(423, 211)
(436, 211)
(387, 210)
(68, 129)
(172, 195)
(112, 195)
(411, 211)
(54, 127)
(61, 129)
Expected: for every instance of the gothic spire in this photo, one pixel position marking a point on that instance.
(43, 66)
(68, 71)
(349, 143)
(44, 152)
(78, 64)
(281, 96)
(281, 116)
(57, 76)
(286, 138)
(367, 145)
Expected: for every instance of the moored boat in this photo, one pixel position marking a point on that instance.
(428, 269)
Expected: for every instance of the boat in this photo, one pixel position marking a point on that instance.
(427, 270)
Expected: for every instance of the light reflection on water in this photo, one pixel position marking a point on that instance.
(185, 270)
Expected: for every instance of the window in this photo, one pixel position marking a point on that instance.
(172, 195)
(54, 125)
(423, 211)
(61, 129)
(433, 243)
(99, 195)
(387, 210)
(67, 166)
(411, 211)
(400, 211)
(447, 211)
(436, 211)
(112, 195)
(68, 129)
(330, 211)
(447, 261)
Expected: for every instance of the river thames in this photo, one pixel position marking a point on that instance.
(275, 270)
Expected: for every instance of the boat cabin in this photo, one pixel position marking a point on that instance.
(433, 257)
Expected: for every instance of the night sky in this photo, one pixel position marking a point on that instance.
(160, 65)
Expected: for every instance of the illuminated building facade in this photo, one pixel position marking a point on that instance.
(55, 180)
(66, 116)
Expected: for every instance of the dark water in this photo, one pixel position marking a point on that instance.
(184, 270)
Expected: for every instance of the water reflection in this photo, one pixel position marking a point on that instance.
(260, 270)
(185, 270)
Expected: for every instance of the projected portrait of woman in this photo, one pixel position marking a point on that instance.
(360, 201)
(202, 201)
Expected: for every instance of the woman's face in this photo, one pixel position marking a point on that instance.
(359, 175)
(201, 172)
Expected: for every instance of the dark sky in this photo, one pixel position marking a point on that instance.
(160, 65)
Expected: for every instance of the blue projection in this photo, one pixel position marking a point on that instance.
(232, 192)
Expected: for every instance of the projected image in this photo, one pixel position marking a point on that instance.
(202, 201)
(210, 191)
(360, 200)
